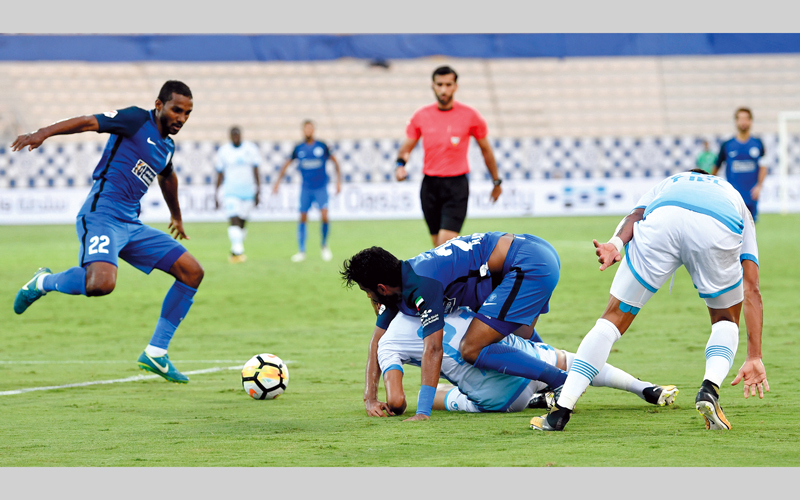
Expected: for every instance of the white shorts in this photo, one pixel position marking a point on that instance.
(237, 207)
(670, 237)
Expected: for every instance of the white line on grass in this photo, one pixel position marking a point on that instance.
(114, 381)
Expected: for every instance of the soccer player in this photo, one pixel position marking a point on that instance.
(740, 156)
(237, 172)
(506, 278)
(138, 151)
(445, 128)
(706, 160)
(699, 221)
(485, 391)
(312, 156)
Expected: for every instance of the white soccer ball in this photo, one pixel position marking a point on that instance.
(265, 376)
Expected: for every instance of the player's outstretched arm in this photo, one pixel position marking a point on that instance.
(752, 371)
(491, 165)
(220, 178)
(70, 126)
(338, 174)
(372, 377)
(610, 253)
(169, 188)
(431, 369)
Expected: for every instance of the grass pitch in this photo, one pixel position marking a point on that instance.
(302, 313)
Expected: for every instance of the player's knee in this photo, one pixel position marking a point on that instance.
(195, 275)
(469, 351)
(397, 405)
(99, 287)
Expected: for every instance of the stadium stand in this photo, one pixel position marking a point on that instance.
(548, 117)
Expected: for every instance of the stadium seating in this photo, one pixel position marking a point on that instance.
(548, 118)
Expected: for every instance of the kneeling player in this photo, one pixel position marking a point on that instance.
(486, 390)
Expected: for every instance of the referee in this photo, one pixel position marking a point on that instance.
(446, 127)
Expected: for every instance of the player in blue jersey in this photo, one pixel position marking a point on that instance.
(480, 390)
(237, 173)
(138, 151)
(312, 156)
(507, 279)
(701, 222)
(739, 157)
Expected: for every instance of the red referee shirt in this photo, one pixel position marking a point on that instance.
(445, 137)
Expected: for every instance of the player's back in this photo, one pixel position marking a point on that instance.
(701, 193)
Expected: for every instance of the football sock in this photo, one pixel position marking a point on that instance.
(506, 359)
(611, 376)
(720, 351)
(154, 352)
(237, 240)
(324, 233)
(176, 304)
(72, 281)
(589, 360)
(301, 237)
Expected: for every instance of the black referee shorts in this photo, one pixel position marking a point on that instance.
(444, 202)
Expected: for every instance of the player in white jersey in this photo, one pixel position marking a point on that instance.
(479, 390)
(701, 222)
(237, 172)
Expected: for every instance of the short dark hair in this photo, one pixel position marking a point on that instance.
(743, 110)
(372, 267)
(444, 70)
(698, 171)
(173, 87)
(236, 129)
(307, 122)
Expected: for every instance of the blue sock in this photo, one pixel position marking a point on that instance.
(301, 237)
(506, 359)
(176, 304)
(324, 233)
(535, 337)
(72, 281)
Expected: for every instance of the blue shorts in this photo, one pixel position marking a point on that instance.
(530, 275)
(309, 196)
(105, 238)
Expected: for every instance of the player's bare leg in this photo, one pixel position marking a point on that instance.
(327, 255)
(443, 237)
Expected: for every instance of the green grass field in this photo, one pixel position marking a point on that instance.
(302, 313)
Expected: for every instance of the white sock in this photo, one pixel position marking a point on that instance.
(720, 351)
(589, 360)
(611, 376)
(237, 240)
(154, 351)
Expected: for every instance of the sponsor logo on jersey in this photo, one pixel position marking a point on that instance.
(743, 166)
(449, 305)
(318, 151)
(455, 140)
(427, 318)
(144, 172)
(754, 152)
(110, 114)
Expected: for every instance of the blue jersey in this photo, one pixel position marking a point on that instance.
(437, 281)
(135, 153)
(741, 164)
(311, 160)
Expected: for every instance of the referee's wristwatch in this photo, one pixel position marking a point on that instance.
(497, 182)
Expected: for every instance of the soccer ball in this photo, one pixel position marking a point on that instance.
(265, 376)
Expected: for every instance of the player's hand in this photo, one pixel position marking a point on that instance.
(255, 202)
(755, 376)
(496, 192)
(417, 418)
(176, 229)
(32, 141)
(400, 173)
(377, 408)
(607, 254)
(755, 192)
